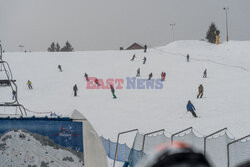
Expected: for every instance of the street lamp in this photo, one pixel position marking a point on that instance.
(172, 25)
(226, 9)
(21, 47)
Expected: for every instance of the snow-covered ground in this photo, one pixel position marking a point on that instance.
(226, 101)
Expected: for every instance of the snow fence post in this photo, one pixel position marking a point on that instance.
(228, 146)
(118, 142)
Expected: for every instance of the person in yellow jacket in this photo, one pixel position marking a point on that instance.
(29, 83)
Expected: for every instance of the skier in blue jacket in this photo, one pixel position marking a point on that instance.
(191, 108)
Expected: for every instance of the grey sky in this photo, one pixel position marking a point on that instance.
(109, 24)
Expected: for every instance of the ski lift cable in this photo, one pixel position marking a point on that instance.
(35, 112)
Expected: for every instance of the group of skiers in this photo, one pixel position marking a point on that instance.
(96, 81)
(138, 72)
(144, 59)
(29, 83)
(190, 107)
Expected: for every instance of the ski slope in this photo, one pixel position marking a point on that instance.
(226, 101)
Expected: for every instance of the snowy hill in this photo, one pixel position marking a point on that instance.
(226, 101)
(22, 148)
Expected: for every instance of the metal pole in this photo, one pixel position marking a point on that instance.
(1, 53)
(172, 137)
(109, 148)
(228, 160)
(226, 9)
(21, 47)
(118, 142)
(125, 152)
(205, 139)
(144, 137)
(172, 26)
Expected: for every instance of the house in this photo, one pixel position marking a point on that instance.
(135, 46)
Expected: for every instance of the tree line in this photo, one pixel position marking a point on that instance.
(56, 47)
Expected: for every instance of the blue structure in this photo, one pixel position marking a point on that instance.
(62, 131)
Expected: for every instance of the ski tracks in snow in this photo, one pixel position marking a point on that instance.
(162, 52)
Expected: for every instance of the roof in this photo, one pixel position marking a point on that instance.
(135, 46)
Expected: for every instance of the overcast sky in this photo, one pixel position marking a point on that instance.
(109, 24)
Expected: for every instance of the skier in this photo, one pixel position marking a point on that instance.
(14, 95)
(138, 72)
(144, 60)
(190, 107)
(97, 82)
(145, 48)
(150, 76)
(29, 83)
(187, 57)
(163, 76)
(60, 68)
(205, 74)
(133, 58)
(86, 76)
(200, 91)
(113, 91)
(75, 89)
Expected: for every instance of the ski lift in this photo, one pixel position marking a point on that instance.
(8, 81)
(19, 109)
(5, 68)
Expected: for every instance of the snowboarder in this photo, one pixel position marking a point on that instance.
(145, 48)
(29, 83)
(97, 82)
(187, 57)
(133, 58)
(150, 76)
(144, 60)
(86, 76)
(113, 91)
(60, 68)
(200, 91)
(191, 108)
(163, 76)
(14, 95)
(138, 72)
(75, 89)
(205, 74)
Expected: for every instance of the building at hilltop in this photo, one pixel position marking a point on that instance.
(135, 46)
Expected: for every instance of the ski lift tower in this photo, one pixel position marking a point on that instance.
(7, 81)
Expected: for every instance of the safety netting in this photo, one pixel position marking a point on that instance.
(239, 152)
(110, 147)
(190, 138)
(216, 149)
(136, 151)
(150, 142)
